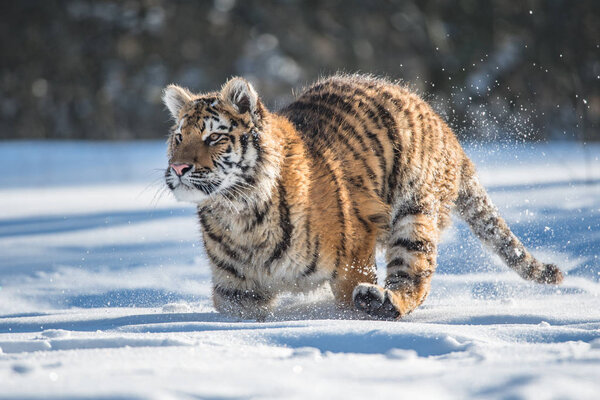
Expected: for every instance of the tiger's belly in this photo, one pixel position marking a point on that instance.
(287, 274)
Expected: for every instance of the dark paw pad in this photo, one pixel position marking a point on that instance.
(375, 301)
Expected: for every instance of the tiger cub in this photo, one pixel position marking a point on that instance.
(290, 200)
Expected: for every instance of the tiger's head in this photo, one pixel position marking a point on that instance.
(219, 144)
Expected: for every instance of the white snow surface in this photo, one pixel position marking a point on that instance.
(105, 293)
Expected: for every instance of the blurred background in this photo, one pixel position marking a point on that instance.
(496, 70)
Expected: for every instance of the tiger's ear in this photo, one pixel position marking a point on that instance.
(175, 97)
(240, 94)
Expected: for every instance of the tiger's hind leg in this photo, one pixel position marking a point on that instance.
(411, 260)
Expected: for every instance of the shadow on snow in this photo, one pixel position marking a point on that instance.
(75, 222)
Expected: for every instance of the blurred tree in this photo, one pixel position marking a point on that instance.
(495, 69)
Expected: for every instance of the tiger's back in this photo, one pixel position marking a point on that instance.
(386, 141)
(354, 162)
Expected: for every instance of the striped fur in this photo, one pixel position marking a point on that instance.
(291, 200)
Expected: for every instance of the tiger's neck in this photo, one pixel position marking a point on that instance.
(281, 175)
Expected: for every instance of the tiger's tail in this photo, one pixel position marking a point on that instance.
(476, 208)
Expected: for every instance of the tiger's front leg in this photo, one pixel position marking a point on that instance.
(242, 303)
(411, 261)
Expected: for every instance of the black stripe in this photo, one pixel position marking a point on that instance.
(315, 152)
(357, 156)
(326, 140)
(382, 220)
(167, 174)
(392, 132)
(404, 277)
(343, 104)
(425, 133)
(354, 92)
(396, 262)
(421, 246)
(244, 124)
(307, 230)
(317, 102)
(328, 120)
(256, 144)
(224, 265)
(333, 117)
(365, 104)
(218, 164)
(364, 223)
(244, 143)
(406, 210)
(249, 179)
(212, 111)
(312, 267)
(285, 225)
(240, 294)
(409, 115)
(400, 276)
(387, 121)
(218, 239)
(356, 181)
(259, 216)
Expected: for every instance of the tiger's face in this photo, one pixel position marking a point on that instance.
(214, 147)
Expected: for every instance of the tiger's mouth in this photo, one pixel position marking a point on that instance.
(191, 186)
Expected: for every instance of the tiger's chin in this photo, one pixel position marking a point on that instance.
(187, 194)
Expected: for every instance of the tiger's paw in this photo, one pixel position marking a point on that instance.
(550, 274)
(375, 301)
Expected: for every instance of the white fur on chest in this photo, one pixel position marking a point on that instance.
(284, 273)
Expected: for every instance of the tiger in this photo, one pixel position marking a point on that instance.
(293, 200)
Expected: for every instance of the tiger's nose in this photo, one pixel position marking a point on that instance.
(180, 169)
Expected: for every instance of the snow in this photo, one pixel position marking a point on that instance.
(104, 292)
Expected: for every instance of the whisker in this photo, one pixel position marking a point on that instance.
(158, 195)
(258, 190)
(245, 197)
(155, 182)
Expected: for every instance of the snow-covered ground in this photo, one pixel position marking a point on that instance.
(104, 293)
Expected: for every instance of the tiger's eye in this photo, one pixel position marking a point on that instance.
(178, 138)
(214, 136)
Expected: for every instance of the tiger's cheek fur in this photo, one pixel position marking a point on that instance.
(308, 193)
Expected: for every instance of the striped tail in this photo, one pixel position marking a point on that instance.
(476, 208)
